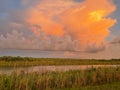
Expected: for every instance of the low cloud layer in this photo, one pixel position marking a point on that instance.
(69, 25)
(41, 42)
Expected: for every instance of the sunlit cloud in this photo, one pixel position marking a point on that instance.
(62, 25)
(86, 22)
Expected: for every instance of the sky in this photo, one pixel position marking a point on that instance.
(91, 27)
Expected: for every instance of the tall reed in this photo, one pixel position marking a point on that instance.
(58, 80)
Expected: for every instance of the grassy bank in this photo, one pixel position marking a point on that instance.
(27, 61)
(74, 80)
(109, 86)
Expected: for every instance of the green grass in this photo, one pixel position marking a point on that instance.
(109, 86)
(27, 61)
(91, 79)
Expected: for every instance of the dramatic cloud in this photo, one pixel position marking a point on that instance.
(61, 25)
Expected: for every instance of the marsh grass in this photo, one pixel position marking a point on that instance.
(27, 61)
(59, 80)
(108, 86)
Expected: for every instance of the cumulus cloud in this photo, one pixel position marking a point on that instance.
(42, 41)
(94, 49)
(17, 40)
(60, 25)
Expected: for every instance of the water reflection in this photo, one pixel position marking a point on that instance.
(50, 68)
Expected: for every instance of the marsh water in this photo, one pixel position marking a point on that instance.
(7, 70)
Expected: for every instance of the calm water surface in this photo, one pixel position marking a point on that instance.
(51, 68)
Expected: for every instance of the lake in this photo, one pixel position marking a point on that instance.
(50, 68)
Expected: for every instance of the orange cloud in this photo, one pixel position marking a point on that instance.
(45, 23)
(44, 13)
(87, 22)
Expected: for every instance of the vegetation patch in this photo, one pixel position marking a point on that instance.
(28, 61)
(81, 79)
